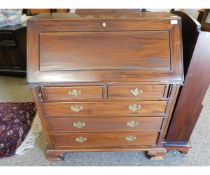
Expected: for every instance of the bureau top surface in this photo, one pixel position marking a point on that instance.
(106, 14)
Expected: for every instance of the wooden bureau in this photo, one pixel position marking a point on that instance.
(105, 80)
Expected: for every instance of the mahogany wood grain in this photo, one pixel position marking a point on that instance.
(190, 101)
(105, 124)
(53, 154)
(99, 57)
(66, 93)
(145, 91)
(107, 14)
(173, 93)
(128, 24)
(104, 76)
(106, 149)
(104, 50)
(71, 24)
(37, 97)
(190, 32)
(147, 108)
(104, 139)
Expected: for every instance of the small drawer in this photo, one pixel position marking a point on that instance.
(76, 124)
(6, 37)
(108, 139)
(73, 93)
(136, 91)
(135, 108)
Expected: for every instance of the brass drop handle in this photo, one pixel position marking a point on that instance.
(134, 107)
(81, 139)
(136, 91)
(76, 108)
(79, 124)
(132, 124)
(130, 138)
(74, 93)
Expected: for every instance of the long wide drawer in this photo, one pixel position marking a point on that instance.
(73, 93)
(118, 139)
(147, 108)
(136, 91)
(75, 124)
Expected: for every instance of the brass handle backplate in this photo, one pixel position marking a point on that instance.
(130, 138)
(81, 139)
(136, 91)
(79, 124)
(132, 124)
(74, 93)
(134, 107)
(76, 108)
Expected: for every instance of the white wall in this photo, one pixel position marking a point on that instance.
(191, 12)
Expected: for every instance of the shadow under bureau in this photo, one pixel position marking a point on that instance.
(105, 81)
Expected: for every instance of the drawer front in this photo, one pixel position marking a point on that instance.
(136, 91)
(72, 93)
(6, 37)
(103, 25)
(147, 108)
(140, 50)
(105, 139)
(105, 124)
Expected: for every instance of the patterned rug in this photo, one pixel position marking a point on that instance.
(15, 123)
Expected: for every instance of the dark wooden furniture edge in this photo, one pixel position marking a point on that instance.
(192, 94)
(203, 14)
(190, 31)
(154, 153)
(9, 72)
(181, 147)
(175, 80)
(19, 34)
